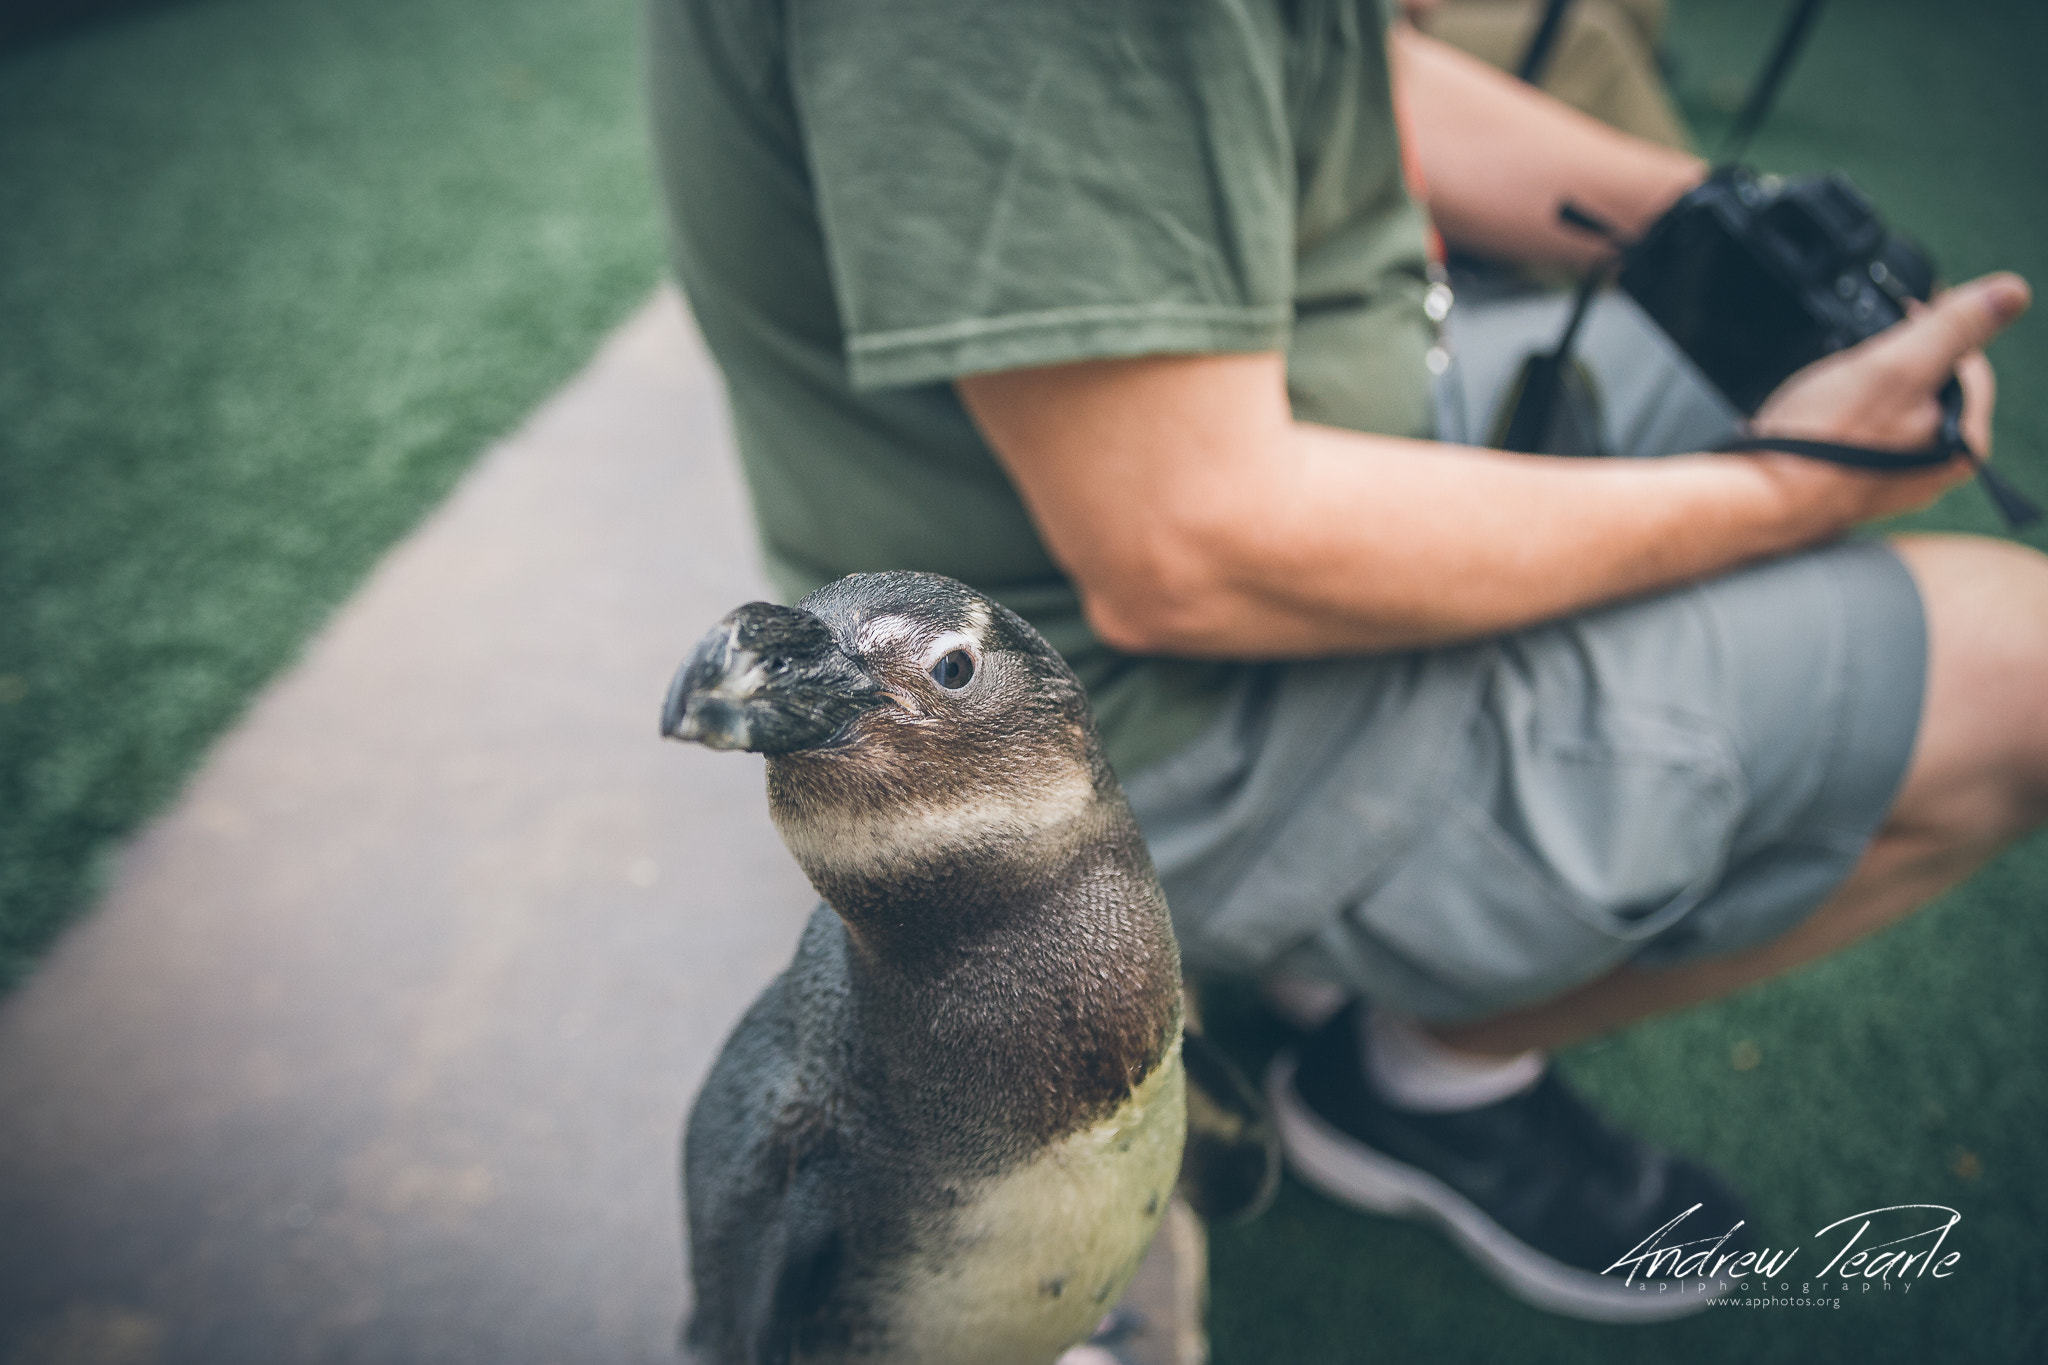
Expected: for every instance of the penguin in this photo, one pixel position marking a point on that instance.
(948, 1131)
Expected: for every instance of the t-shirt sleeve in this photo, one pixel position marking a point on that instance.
(1006, 183)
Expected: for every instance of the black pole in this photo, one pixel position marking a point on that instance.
(1537, 55)
(1762, 95)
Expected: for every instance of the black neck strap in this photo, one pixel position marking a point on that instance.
(1949, 444)
(1856, 457)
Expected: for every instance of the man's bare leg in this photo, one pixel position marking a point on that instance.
(1978, 780)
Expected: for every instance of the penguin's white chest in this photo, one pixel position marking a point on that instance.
(1036, 1258)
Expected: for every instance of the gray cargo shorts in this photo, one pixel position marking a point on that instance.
(1459, 831)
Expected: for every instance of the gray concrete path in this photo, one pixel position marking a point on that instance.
(378, 1048)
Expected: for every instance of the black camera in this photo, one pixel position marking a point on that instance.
(1755, 276)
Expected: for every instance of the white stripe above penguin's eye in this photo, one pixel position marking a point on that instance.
(885, 631)
(939, 646)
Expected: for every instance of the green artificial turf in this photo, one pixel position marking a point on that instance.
(272, 272)
(1911, 1069)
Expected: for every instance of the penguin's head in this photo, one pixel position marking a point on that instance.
(898, 710)
(877, 661)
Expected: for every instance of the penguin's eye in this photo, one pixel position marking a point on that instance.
(775, 665)
(954, 671)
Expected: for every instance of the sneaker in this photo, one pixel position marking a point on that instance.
(1302, 1003)
(1566, 1213)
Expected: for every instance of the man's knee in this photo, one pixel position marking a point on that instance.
(1984, 732)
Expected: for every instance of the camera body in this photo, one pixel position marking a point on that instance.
(1755, 276)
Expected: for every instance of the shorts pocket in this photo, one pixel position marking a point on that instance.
(1560, 866)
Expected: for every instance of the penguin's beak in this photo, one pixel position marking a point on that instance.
(693, 714)
(769, 679)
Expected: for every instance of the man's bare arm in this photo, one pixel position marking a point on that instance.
(1197, 517)
(1498, 157)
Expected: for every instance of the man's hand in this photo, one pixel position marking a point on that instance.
(1883, 394)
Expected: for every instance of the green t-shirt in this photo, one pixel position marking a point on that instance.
(873, 197)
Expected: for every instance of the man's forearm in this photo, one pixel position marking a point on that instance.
(1198, 518)
(1498, 156)
(1348, 542)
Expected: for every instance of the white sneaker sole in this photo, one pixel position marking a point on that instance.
(1354, 1174)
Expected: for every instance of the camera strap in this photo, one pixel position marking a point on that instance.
(1949, 443)
(1856, 457)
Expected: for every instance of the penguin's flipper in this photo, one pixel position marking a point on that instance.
(1231, 1166)
(793, 1317)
